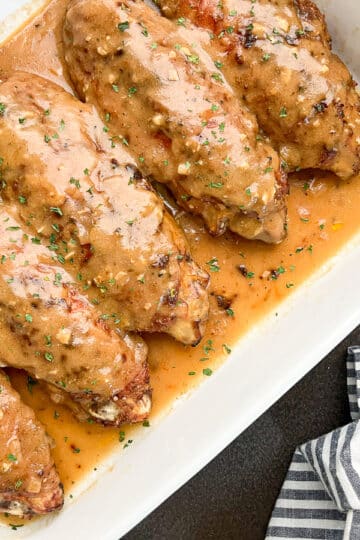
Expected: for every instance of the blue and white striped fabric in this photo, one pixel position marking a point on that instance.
(320, 498)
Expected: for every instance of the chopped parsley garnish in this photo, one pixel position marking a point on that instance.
(208, 347)
(123, 26)
(217, 77)
(30, 384)
(56, 210)
(215, 185)
(75, 182)
(213, 265)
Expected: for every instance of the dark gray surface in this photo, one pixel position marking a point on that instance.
(233, 496)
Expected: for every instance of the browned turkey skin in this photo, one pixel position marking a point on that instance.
(170, 105)
(83, 196)
(52, 331)
(29, 483)
(277, 55)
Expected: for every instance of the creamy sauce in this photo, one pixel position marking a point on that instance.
(323, 216)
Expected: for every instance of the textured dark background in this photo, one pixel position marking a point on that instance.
(233, 496)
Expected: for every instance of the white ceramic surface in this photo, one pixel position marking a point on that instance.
(263, 366)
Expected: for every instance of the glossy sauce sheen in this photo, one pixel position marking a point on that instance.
(323, 215)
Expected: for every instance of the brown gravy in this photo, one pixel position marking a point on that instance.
(323, 216)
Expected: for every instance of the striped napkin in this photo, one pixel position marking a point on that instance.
(320, 498)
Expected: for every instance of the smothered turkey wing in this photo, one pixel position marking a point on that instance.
(278, 57)
(171, 106)
(52, 331)
(29, 483)
(81, 191)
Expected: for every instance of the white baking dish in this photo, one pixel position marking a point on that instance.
(263, 366)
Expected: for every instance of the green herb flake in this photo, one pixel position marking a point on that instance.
(217, 77)
(123, 26)
(49, 356)
(56, 210)
(213, 265)
(30, 384)
(75, 182)
(208, 347)
(193, 58)
(226, 348)
(215, 185)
